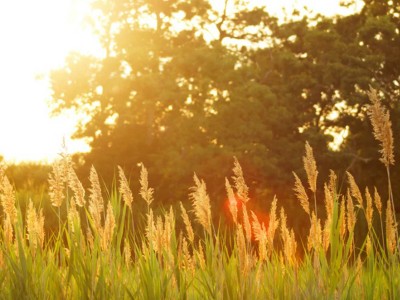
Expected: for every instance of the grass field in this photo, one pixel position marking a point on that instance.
(101, 249)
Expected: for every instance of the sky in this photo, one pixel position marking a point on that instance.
(35, 37)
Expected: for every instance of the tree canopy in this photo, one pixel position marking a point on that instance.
(184, 87)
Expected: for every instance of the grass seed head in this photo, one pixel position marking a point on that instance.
(57, 180)
(96, 202)
(390, 229)
(382, 127)
(342, 219)
(188, 224)
(260, 235)
(369, 210)
(351, 216)
(201, 203)
(31, 221)
(378, 201)
(77, 188)
(73, 216)
(354, 189)
(240, 184)
(8, 200)
(124, 189)
(232, 200)
(109, 227)
(301, 194)
(246, 224)
(145, 191)
(314, 240)
(127, 253)
(273, 224)
(311, 168)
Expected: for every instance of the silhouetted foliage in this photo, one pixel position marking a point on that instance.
(183, 87)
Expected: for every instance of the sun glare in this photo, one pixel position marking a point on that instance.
(35, 37)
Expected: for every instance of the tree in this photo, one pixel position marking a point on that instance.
(329, 66)
(184, 87)
(162, 94)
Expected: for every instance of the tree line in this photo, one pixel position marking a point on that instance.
(183, 87)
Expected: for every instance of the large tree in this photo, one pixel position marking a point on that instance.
(184, 87)
(170, 92)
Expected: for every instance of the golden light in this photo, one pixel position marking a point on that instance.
(35, 37)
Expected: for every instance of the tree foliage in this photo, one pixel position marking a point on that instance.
(185, 87)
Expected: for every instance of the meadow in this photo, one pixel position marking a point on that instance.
(107, 246)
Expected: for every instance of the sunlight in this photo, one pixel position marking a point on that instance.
(36, 36)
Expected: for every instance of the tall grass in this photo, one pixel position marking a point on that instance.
(102, 250)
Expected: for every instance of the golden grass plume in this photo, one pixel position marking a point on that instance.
(201, 203)
(382, 127)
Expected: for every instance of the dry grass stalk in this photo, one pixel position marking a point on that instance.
(351, 219)
(351, 216)
(359, 272)
(378, 202)
(8, 231)
(241, 247)
(329, 201)
(355, 191)
(169, 224)
(96, 202)
(7, 195)
(314, 240)
(326, 234)
(90, 238)
(342, 219)
(246, 224)
(289, 241)
(368, 246)
(57, 180)
(240, 184)
(260, 235)
(127, 253)
(232, 200)
(158, 236)
(200, 256)
(35, 226)
(77, 188)
(301, 194)
(170, 218)
(391, 229)
(311, 168)
(31, 220)
(109, 227)
(124, 189)
(8, 200)
(161, 232)
(272, 225)
(382, 127)
(73, 216)
(201, 203)
(40, 228)
(150, 229)
(369, 210)
(187, 260)
(188, 224)
(145, 191)
(332, 183)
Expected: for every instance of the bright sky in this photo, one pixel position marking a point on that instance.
(35, 36)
